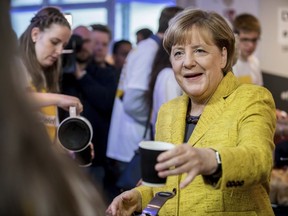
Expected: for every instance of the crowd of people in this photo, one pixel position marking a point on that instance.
(183, 80)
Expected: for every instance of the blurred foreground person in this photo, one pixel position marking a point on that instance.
(222, 130)
(35, 180)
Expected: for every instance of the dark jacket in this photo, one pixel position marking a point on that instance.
(96, 90)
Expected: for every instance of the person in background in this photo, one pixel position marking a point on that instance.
(248, 30)
(222, 161)
(143, 34)
(162, 85)
(101, 38)
(131, 109)
(80, 43)
(120, 49)
(35, 180)
(81, 38)
(85, 54)
(96, 86)
(41, 45)
(247, 68)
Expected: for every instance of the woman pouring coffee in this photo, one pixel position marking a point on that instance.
(41, 45)
(222, 130)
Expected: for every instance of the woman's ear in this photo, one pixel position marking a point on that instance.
(223, 57)
(35, 34)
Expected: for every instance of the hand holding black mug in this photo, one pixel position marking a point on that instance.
(84, 158)
(75, 134)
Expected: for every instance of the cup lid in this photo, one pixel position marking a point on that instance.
(156, 145)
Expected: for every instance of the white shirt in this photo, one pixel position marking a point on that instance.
(166, 88)
(248, 71)
(125, 133)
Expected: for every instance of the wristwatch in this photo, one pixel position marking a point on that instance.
(218, 171)
(214, 177)
(157, 202)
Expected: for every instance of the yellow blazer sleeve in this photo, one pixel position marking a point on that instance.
(250, 161)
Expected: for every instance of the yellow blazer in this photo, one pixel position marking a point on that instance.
(239, 122)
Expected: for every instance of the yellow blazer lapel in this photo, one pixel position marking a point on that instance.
(179, 119)
(214, 107)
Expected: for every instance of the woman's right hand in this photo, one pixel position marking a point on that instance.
(59, 100)
(125, 204)
(66, 101)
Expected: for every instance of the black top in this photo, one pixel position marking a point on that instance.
(191, 122)
(96, 90)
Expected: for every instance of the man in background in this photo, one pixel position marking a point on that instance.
(248, 30)
(85, 54)
(95, 84)
(80, 43)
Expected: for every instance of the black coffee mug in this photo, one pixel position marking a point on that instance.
(75, 132)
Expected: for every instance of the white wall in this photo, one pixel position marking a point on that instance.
(273, 55)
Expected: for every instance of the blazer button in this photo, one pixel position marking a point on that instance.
(241, 183)
(228, 184)
(233, 183)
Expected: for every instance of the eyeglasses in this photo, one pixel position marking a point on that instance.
(247, 40)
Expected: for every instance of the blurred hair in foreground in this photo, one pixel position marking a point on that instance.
(35, 180)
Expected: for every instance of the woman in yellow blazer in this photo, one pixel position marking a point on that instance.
(224, 165)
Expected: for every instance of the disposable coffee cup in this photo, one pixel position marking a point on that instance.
(149, 151)
(75, 132)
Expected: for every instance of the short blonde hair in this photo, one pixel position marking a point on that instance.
(210, 25)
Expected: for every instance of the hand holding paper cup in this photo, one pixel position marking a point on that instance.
(149, 151)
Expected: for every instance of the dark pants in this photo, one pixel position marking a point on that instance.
(113, 171)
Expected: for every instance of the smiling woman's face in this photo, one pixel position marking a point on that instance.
(198, 65)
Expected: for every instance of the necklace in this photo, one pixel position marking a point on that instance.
(192, 119)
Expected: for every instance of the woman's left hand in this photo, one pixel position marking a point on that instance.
(186, 159)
